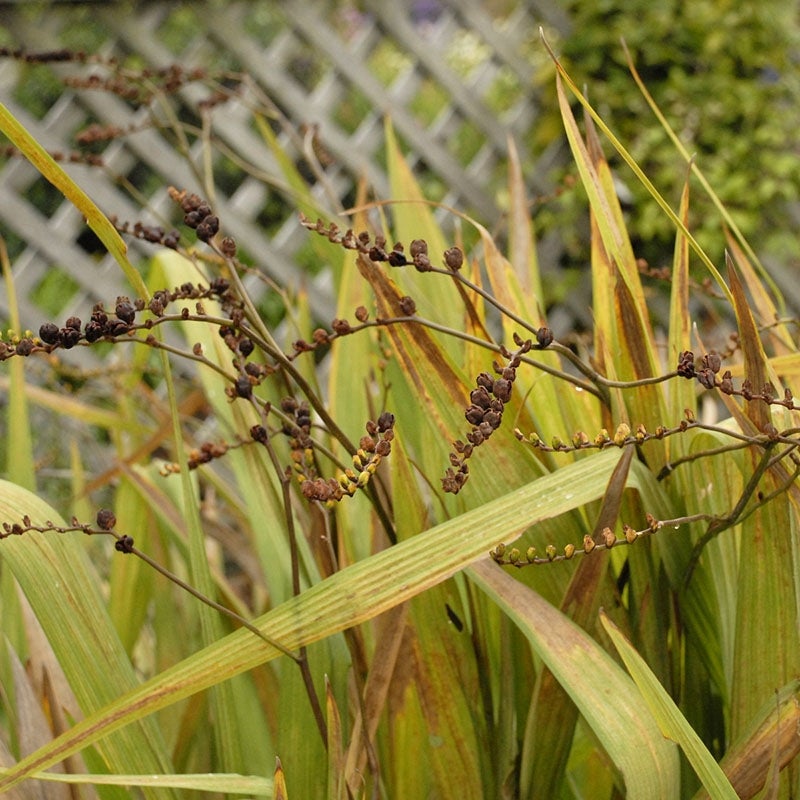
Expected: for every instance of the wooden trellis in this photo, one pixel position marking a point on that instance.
(316, 60)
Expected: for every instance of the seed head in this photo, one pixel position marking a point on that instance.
(544, 336)
(454, 258)
(125, 310)
(48, 333)
(106, 519)
(24, 347)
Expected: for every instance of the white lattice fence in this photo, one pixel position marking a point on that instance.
(326, 67)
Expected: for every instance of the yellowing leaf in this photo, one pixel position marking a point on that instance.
(62, 587)
(636, 169)
(670, 720)
(605, 696)
(351, 596)
(97, 221)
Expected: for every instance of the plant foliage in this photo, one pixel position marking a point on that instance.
(427, 547)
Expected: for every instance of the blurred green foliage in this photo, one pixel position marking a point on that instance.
(37, 89)
(724, 75)
(54, 291)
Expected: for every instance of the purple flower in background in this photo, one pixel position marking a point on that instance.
(425, 11)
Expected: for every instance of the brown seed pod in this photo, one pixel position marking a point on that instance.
(106, 520)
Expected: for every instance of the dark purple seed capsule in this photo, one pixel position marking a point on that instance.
(93, 331)
(454, 258)
(385, 421)
(474, 415)
(24, 347)
(48, 333)
(243, 387)
(106, 519)
(69, 337)
(125, 311)
(544, 336)
(124, 544)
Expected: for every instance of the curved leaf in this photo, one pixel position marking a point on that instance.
(216, 782)
(670, 720)
(603, 693)
(348, 598)
(58, 580)
(95, 218)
